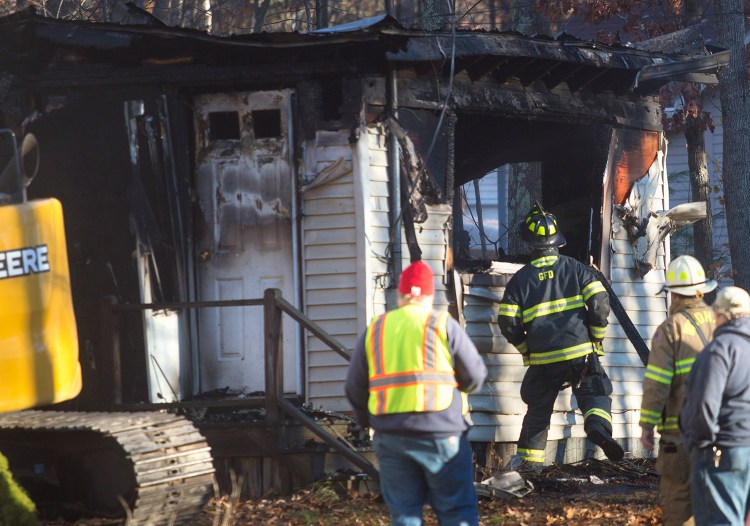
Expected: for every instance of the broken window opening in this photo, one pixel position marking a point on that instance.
(561, 165)
(332, 98)
(266, 124)
(493, 206)
(224, 126)
(485, 217)
(432, 152)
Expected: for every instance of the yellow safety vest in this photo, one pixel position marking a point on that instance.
(409, 363)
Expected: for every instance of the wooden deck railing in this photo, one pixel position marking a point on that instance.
(276, 404)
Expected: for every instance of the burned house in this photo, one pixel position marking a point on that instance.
(195, 169)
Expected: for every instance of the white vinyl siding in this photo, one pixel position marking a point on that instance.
(376, 231)
(433, 239)
(329, 267)
(646, 307)
(497, 410)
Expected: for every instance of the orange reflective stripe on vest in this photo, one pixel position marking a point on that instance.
(410, 366)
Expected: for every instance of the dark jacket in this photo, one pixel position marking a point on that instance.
(716, 410)
(553, 309)
(470, 374)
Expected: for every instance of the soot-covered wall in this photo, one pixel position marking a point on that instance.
(85, 164)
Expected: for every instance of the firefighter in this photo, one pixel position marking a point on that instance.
(674, 347)
(554, 311)
(408, 380)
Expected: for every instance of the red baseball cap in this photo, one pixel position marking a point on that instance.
(417, 280)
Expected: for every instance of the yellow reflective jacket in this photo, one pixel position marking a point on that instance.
(410, 367)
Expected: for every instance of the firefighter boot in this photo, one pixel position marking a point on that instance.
(518, 464)
(602, 438)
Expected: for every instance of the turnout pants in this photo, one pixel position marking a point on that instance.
(673, 466)
(540, 388)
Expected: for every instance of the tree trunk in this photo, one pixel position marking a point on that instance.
(259, 14)
(700, 189)
(321, 14)
(204, 15)
(524, 187)
(735, 109)
(309, 21)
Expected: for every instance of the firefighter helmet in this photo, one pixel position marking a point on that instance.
(540, 230)
(732, 302)
(686, 277)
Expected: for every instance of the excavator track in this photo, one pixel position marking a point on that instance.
(156, 466)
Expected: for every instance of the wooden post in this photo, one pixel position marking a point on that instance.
(274, 358)
(111, 350)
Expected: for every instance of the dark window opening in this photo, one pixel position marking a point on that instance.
(421, 126)
(224, 126)
(332, 98)
(502, 166)
(266, 124)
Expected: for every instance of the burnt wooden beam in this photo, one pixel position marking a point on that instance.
(187, 75)
(274, 356)
(531, 75)
(708, 65)
(581, 81)
(111, 357)
(689, 38)
(618, 81)
(484, 65)
(459, 66)
(512, 68)
(432, 47)
(559, 75)
(351, 455)
(252, 402)
(559, 105)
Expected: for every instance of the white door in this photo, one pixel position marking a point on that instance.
(244, 230)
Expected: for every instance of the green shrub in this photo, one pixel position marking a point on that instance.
(16, 508)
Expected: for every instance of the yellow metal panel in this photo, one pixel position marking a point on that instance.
(38, 336)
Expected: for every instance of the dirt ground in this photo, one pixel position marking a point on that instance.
(592, 492)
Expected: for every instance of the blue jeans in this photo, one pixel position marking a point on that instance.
(720, 495)
(419, 471)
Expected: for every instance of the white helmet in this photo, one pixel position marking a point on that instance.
(732, 302)
(686, 277)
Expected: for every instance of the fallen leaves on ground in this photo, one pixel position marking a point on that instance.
(623, 494)
(589, 493)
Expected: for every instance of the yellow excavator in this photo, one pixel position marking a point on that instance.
(151, 468)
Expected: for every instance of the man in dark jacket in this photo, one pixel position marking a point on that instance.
(715, 416)
(408, 379)
(554, 311)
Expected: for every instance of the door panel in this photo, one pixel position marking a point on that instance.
(245, 237)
